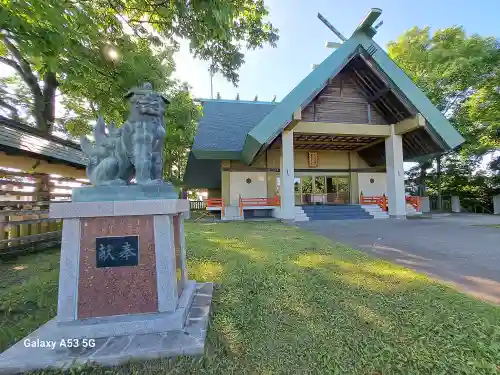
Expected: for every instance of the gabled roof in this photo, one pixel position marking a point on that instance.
(360, 43)
(225, 123)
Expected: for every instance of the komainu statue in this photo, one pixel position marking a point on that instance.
(133, 151)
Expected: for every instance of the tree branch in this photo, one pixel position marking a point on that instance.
(25, 69)
(12, 64)
(11, 108)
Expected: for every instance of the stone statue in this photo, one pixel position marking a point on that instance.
(136, 149)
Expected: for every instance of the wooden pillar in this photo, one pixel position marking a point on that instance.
(42, 190)
(14, 230)
(35, 228)
(3, 233)
(42, 195)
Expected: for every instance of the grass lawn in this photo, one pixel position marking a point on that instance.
(290, 302)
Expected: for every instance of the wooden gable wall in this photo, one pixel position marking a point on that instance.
(341, 101)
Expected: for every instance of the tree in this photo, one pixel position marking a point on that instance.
(92, 51)
(77, 49)
(182, 115)
(217, 29)
(448, 66)
(458, 74)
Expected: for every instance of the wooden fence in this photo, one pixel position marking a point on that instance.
(197, 205)
(24, 207)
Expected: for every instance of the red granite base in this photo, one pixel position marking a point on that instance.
(117, 290)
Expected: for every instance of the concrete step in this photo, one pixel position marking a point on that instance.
(300, 215)
(381, 216)
(333, 209)
(335, 212)
(341, 218)
(302, 218)
(375, 211)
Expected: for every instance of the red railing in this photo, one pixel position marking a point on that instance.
(216, 202)
(380, 200)
(246, 202)
(414, 201)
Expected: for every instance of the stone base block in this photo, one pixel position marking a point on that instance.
(120, 325)
(44, 347)
(158, 190)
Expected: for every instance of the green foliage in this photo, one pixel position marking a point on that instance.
(182, 116)
(137, 63)
(217, 29)
(81, 50)
(459, 176)
(461, 75)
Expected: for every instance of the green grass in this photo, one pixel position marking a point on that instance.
(290, 302)
(28, 294)
(488, 225)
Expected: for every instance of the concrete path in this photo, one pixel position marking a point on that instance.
(457, 249)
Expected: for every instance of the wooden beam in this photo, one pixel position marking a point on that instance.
(369, 145)
(409, 124)
(367, 24)
(297, 116)
(331, 27)
(26, 163)
(378, 94)
(333, 143)
(333, 45)
(343, 129)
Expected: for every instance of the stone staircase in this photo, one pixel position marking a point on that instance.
(300, 215)
(375, 211)
(411, 211)
(345, 212)
(336, 212)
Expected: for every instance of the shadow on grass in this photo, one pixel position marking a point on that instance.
(290, 302)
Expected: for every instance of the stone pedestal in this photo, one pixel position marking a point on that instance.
(122, 258)
(496, 204)
(124, 291)
(425, 204)
(455, 204)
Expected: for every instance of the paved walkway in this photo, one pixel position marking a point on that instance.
(453, 248)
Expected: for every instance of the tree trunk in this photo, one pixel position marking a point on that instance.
(424, 165)
(49, 100)
(45, 102)
(421, 180)
(169, 165)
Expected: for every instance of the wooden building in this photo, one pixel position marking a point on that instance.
(35, 169)
(340, 137)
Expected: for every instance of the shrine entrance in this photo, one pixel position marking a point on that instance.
(322, 189)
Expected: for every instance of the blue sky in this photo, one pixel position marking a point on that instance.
(276, 71)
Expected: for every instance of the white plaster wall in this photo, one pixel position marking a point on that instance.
(238, 185)
(379, 186)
